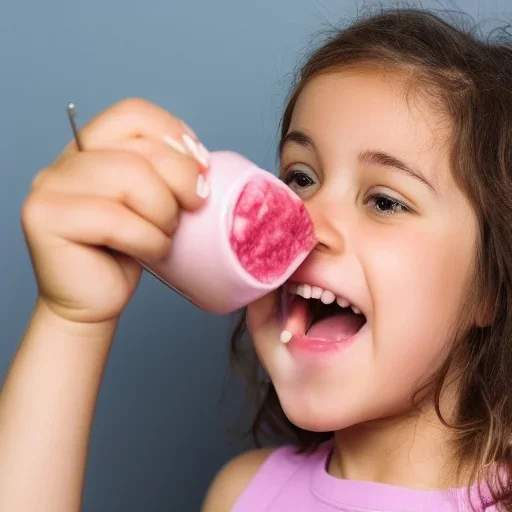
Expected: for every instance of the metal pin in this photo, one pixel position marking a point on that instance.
(71, 115)
(71, 110)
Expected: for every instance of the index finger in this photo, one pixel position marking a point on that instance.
(131, 118)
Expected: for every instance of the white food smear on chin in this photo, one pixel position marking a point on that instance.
(286, 336)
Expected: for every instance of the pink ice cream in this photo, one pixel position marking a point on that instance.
(248, 238)
(270, 229)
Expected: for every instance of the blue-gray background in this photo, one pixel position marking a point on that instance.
(159, 433)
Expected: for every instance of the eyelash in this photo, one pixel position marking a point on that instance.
(290, 176)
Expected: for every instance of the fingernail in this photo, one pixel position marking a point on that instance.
(195, 150)
(174, 144)
(204, 153)
(189, 130)
(202, 187)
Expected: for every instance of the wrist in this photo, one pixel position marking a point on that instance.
(45, 314)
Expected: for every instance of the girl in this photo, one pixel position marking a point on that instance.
(388, 353)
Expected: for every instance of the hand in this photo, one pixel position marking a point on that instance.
(90, 213)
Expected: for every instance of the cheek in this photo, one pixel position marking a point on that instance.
(263, 323)
(416, 284)
(264, 329)
(261, 314)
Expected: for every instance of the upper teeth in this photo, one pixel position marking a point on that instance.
(326, 296)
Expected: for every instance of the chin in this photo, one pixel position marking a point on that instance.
(312, 424)
(319, 410)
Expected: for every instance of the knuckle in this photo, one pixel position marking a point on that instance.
(137, 178)
(163, 250)
(31, 209)
(168, 160)
(133, 171)
(133, 162)
(172, 216)
(121, 229)
(132, 104)
(38, 179)
(121, 226)
(111, 216)
(179, 172)
(158, 249)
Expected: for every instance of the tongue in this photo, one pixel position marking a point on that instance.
(337, 327)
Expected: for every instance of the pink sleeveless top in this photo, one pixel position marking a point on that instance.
(288, 482)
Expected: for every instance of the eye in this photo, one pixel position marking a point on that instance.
(297, 179)
(385, 205)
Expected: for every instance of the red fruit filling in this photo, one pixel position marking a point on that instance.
(271, 229)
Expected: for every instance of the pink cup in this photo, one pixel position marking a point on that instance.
(250, 236)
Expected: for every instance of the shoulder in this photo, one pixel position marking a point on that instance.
(232, 479)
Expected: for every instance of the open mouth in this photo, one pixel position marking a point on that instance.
(320, 315)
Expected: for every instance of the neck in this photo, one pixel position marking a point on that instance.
(413, 451)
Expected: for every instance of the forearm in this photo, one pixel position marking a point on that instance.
(46, 409)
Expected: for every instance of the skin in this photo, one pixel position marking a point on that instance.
(125, 192)
(406, 270)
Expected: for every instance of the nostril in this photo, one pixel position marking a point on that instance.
(321, 247)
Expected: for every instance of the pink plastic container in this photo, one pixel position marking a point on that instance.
(250, 236)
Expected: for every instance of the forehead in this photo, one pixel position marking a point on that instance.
(353, 110)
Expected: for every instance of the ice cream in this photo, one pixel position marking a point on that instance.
(248, 238)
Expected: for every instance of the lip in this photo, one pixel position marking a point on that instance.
(313, 350)
(317, 344)
(318, 350)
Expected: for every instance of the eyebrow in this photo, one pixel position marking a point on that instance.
(368, 156)
(299, 138)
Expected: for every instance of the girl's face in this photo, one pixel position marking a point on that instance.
(395, 237)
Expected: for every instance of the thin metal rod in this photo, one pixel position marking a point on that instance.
(71, 115)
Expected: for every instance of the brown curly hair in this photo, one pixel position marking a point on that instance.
(469, 80)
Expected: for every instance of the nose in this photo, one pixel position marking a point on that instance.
(330, 229)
